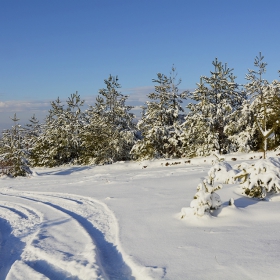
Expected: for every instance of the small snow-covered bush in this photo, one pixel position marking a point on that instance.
(261, 178)
(222, 172)
(204, 200)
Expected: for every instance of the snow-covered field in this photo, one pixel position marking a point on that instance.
(122, 221)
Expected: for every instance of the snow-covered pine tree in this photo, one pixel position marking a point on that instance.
(214, 101)
(13, 155)
(161, 120)
(264, 101)
(206, 198)
(274, 140)
(242, 130)
(74, 125)
(109, 132)
(32, 131)
(59, 142)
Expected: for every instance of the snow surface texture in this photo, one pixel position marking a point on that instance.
(122, 222)
(61, 236)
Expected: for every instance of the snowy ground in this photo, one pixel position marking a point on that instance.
(123, 222)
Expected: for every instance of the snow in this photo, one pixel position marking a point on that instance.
(123, 221)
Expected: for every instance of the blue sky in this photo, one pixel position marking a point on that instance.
(53, 48)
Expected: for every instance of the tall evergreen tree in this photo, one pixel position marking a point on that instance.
(13, 155)
(59, 142)
(161, 119)
(109, 132)
(32, 131)
(213, 102)
(264, 98)
(242, 130)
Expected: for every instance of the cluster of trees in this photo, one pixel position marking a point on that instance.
(222, 116)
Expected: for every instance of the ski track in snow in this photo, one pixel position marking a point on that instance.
(61, 236)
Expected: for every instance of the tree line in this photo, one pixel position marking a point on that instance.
(222, 116)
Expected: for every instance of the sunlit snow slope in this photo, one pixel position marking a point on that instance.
(123, 221)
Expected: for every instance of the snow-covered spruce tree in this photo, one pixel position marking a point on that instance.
(216, 98)
(59, 142)
(265, 100)
(13, 156)
(109, 131)
(161, 120)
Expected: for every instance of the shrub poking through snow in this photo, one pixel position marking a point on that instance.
(231, 202)
(262, 178)
(222, 172)
(204, 200)
(258, 180)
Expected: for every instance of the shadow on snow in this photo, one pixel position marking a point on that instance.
(109, 257)
(10, 248)
(64, 172)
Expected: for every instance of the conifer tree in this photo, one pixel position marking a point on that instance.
(242, 130)
(32, 131)
(161, 120)
(59, 142)
(214, 101)
(109, 132)
(13, 155)
(265, 99)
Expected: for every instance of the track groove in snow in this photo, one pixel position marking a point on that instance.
(59, 236)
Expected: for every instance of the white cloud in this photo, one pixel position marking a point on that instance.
(3, 104)
(23, 109)
(22, 106)
(138, 94)
(26, 108)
